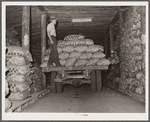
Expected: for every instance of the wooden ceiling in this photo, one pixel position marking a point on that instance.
(101, 17)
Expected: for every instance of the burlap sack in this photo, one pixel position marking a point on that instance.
(98, 54)
(8, 104)
(85, 55)
(69, 43)
(103, 61)
(74, 37)
(22, 70)
(6, 88)
(95, 48)
(47, 52)
(74, 55)
(63, 55)
(16, 78)
(80, 48)
(59, 49)
(20, 87)
(70, 62)
(62, 62)
(16, 60)
(75, 42)
(18, 51)
(46, 58)
(88, 41)
(68, 49)
(81, 62)
(19, 96)
(92, 62)
(61, 43)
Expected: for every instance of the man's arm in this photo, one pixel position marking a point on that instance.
(50, 39)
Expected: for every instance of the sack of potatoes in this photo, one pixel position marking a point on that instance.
(74, 37)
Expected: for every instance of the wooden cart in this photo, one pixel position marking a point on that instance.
(91, 73)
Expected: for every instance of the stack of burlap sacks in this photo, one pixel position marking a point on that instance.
(7, 102)
(74, 50)
(37, 79)
(18, 65)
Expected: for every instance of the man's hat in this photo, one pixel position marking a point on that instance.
(52, 18)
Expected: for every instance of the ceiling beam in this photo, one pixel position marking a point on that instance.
(44, 11)
(115, 18)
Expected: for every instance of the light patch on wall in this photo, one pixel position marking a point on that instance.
(82, 20)
(26, 40)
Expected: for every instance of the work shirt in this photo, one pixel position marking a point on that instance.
(51, 29)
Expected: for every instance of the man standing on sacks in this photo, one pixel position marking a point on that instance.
(51, 32)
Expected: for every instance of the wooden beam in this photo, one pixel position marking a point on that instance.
(43, 36)
(105, 42)
(111, 38)
(115, 18)
(26, 28)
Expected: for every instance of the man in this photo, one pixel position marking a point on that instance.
(51, 32)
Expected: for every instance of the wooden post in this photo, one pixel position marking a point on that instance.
(143, 29)
(43, 42)
(105, 45)
(111, 38)
(43, 36)
(26, 28)
(121, 19)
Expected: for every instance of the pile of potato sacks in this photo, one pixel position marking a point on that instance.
(18, 79)
(37, 78)
(8, 103)
(74, 50)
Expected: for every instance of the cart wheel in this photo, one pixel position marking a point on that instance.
(93, 81)
(99, 81)
(53, 87)
(59, 87)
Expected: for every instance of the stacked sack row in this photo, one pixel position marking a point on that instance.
(37, 78)
(18, 65)
(74, 50)
(8, 103)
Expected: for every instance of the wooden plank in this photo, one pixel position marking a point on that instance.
(99, 81)
(115, 18)
(26, 28)
(50, 69)
(105, 49)
(111, 38)
(17, 104)
(43, 36)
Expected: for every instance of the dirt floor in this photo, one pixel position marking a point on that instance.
(81, 100)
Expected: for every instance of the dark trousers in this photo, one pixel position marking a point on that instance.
(54, 58)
